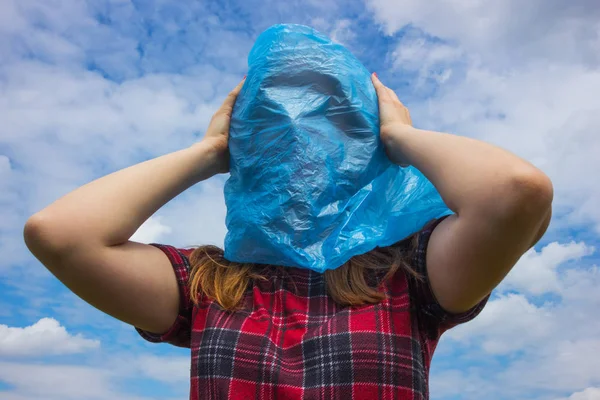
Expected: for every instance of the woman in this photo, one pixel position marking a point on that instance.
(365, 330)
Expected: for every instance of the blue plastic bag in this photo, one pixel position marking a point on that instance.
(310, 183)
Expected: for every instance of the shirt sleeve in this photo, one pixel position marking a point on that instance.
(180, 332)
(434, 318)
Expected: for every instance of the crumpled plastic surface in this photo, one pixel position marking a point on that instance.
(311, 185)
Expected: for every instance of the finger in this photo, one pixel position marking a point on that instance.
(408, 116)
(380, 88)
(393, 95)
(232, 96)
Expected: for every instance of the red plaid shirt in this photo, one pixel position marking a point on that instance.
(292, 341)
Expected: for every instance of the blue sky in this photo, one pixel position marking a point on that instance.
(88, 87)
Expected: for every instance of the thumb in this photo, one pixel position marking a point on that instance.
(232, 96)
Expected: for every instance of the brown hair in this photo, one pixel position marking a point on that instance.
(226, 281)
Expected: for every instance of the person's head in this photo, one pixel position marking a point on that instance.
(226, 282)
(309, 176)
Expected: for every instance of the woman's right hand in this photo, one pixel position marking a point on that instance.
(394, 118)
(96, 260)
(217, 134)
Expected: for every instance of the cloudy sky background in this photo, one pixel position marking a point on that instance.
(89, 87)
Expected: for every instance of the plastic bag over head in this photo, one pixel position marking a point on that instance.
(311, 185)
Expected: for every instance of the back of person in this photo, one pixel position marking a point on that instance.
(366, 330)
(289, 339)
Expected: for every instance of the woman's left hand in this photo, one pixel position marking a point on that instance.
(217, 134)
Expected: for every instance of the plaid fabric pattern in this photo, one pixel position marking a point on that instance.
(292, 341)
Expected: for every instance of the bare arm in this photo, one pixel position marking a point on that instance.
(83, 238)
(502, 204)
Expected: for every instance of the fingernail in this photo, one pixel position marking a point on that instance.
(375, 73)
(244, 77)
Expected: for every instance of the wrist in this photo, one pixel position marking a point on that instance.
(395, 139)
(207, 160)
(395, 131)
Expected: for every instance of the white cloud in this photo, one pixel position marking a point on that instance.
(565, 365)
(509, 31)
(45, 337)
(553, 369)
(65, 126)
(432, 60)
(501, 325)
(549, 348)
(342, 31)
(62, 382)
(461, 384)
(199, 215)
(104, 380)
(5, 167)
(545, 114)
(65, 123)
(522, 77)
(151, 231)
(591, 393)
(536, 272)
(580, 286)
(55, 381)
(175, 370)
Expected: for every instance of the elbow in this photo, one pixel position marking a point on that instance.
(533, 190)
(524, 194)
(36, 234)
(44, 237)
(527, 195)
